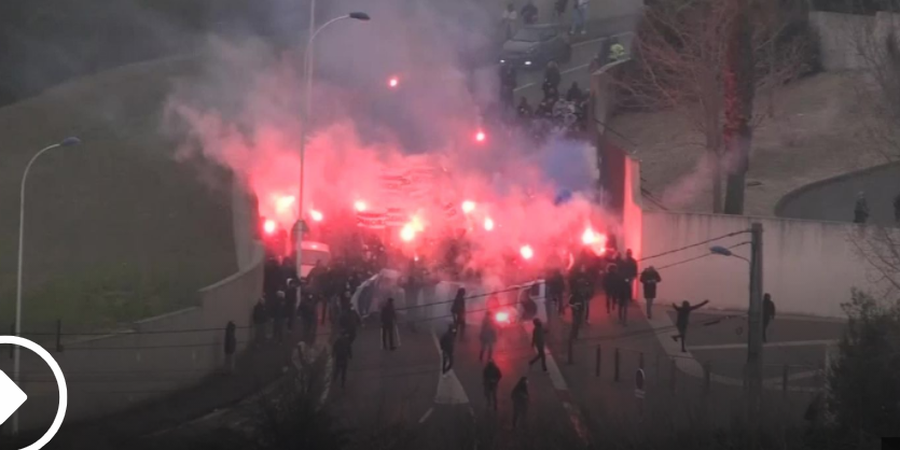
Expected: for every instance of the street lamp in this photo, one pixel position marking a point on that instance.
(723, 251)
(308, 66)
(67, 142)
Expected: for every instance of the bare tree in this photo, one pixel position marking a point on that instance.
(682, 53)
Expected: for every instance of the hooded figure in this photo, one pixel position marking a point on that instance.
(458, 310)
(520, 401)
(491, 377)
(861, 210)
(649, 279)
(681, 322)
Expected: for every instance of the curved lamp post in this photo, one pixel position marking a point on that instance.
(307, 105)
(724, 251)
(67, 142)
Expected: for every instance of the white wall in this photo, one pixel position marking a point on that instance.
(808, 267)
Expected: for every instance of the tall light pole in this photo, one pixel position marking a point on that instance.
(754, 329)
(304, 126)
(67, 142)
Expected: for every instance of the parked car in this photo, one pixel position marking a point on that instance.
(534, 46)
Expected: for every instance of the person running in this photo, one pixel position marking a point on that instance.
(861, 210)
(448, 344)
(458, 310)
(520, 401)
(488, 336)
(491, 377)
(649, 279)
(230, 346)
(539, 342)
(552, 79)
(681, 321)
(260, 317)
(388, 320)
(768, 314)
(341, 351)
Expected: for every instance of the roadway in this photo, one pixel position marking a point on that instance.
(835, 199)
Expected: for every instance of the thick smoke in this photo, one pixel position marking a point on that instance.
(244, 113)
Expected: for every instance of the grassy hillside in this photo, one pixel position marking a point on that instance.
(116, 229)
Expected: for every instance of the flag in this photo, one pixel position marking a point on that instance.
(395, 217)
(373, 220)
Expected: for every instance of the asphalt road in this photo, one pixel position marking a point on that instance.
(835, 200)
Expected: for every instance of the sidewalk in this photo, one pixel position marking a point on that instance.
(254, 370)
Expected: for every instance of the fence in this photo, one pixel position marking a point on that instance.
(154, 357)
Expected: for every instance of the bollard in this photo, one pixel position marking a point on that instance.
(706, 372)
(641, 360)
(571, 356)
(616, 365)
(59, 347)
(673, 374)
(597, 363)
(784, 381)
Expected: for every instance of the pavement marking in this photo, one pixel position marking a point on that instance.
(769, 344)
(591, 41)
(449, 390)
(426, 415)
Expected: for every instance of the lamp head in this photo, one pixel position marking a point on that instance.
(70, 141)
(359, 15)
(719, 250)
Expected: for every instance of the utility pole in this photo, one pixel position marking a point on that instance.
(754, 335)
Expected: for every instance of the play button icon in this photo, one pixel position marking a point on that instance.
(12, 396)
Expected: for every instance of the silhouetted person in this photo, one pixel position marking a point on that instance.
(341, 351)
(488, 336)
(552, 78)
(448, 345)
(388, 320)
(682, 319)
(629, 269)
(625, 291)
(278, 317)
(897, 208)
(491, 378)
(556, 289)
(539, 342)
(612, 285)
(649, 279)
(524, 110)
(574, 94)
(458, 309)
(768, 307)
(861, 210)
(290, 300)
(260, 317)
(529, 13)
(520, 401)
(350, 323)
(230, 346)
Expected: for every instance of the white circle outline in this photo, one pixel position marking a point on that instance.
(60, 383)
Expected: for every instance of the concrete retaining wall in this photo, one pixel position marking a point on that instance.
(808, 267)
